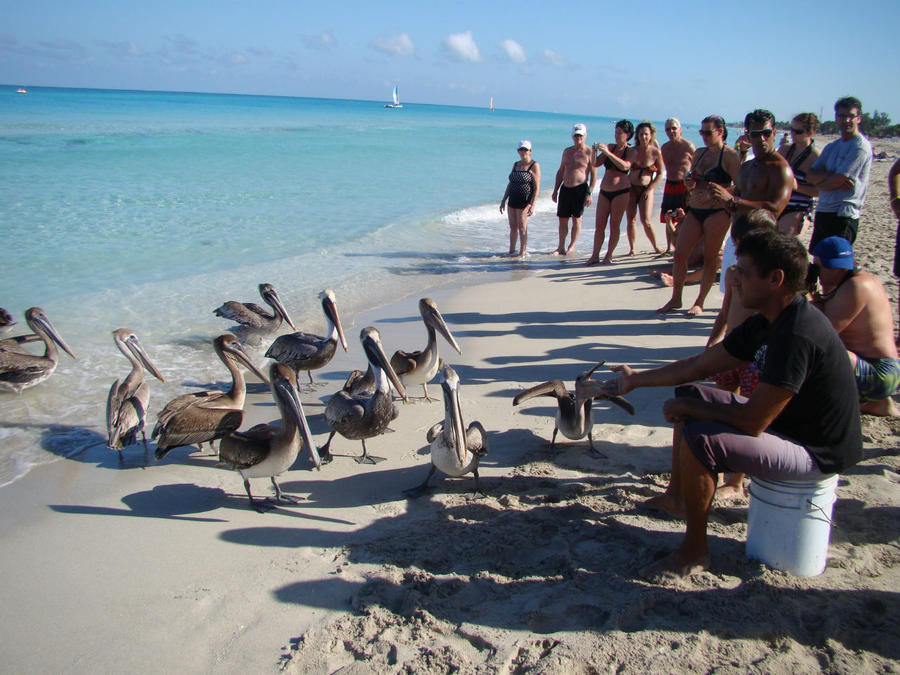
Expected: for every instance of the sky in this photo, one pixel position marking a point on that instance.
(687, 58)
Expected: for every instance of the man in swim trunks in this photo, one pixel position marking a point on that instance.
(842, 175)
(766, 181)
(798, 424)
(572, 190)
(677, 153)
(857, 306)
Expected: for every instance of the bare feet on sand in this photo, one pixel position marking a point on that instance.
(728, 494)
(664, 277)
(885, 408)
(669, 306)
(558, 251)
(675, 567)
(695, 310)
(665, 502)
(592, 261)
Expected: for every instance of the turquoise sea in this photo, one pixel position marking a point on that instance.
(148, 210)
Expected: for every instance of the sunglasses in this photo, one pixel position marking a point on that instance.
(756, 133)
(671, 128)
(705, 132)
(524, 149)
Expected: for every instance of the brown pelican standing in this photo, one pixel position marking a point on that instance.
(6, 322)
(205, 416)
(421, 366)
(20, 369)
(454, 450)
(363, 414)
(251, 315)
(126, 406)
(574, 422)
(305, 351)
(266, 451)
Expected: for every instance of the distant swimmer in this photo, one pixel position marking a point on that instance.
(521, 193)
(572, 189)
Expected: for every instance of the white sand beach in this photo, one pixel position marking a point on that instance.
(161, 566)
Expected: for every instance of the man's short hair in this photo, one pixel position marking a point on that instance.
(849, 102)
(758, 116)
(718, 122)
(627, 127)
(748, 221)
(809, 121)
(771, 250)
(673, 121)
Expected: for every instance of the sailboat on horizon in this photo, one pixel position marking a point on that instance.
(492, 104)
(396, 97)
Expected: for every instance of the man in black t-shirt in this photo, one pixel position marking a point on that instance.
(801, 422)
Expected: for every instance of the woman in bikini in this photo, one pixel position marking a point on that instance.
(646, 172)
(522, 193)
(801, 154)
(706, 218)
(614, 188)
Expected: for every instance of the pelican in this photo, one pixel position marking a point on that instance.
(454, 451)
(266, 451)
(6, 322)
(574, 423)
(251, 315)
(205, 416)
(421, 366)
(20, 369)
(126, 406)
(305, 351)
(364, 414)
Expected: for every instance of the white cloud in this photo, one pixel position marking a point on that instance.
(324, 40)
(513, 51)
(119, 49)
(462, 47)
(397, 45)
(554, 58)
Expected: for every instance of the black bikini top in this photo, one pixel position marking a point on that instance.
(716, 174)
(799, 175)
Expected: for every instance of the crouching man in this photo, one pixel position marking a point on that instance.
(798, 424)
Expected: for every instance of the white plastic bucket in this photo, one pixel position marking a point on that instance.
(789, 524)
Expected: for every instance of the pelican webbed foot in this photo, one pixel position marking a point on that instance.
(281, 498)
(421, 489)
(366, 458)
(255, 504)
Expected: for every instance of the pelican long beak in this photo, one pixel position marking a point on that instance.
(329, 306)
(239, 353)
(432, 317)
(272, 296)
(51, 331)
(588, 374)
(284, 388)
(371, 341)
(453, 413)
(136, 348)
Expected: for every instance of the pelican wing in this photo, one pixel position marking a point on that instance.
(243, 449)
(617, 400)
(343, 409)
(197, 425)
(404, 362)
(553, 388)
(16, 368)
(435, 431)
(295, 347)
(476, 439)
(245, 313)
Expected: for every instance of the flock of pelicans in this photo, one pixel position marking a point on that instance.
(362, 409)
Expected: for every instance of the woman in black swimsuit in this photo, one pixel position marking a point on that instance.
(706, 218)
(522, 193)
(613, 197)
(801, 154)
(646, 172)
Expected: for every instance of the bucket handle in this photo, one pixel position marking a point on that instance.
(822, 511)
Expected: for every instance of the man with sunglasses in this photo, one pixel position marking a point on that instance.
(764, 182)
(842, 175)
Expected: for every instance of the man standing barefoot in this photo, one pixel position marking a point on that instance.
(677, 155)
(572, 190)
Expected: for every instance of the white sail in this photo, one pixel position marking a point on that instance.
(396, 95)
(492, 104)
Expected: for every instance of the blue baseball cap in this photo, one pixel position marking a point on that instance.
(835, 253)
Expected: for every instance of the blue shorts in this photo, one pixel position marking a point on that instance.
(876, 379)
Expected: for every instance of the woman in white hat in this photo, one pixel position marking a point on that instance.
(522, 193)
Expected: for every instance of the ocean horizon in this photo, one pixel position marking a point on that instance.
(147, 210)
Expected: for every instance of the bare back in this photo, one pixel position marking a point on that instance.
(860, 312)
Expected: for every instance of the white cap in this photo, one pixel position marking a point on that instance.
(579, 130)
(524, 144)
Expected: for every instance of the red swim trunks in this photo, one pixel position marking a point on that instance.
(746, 377)
(673, 198)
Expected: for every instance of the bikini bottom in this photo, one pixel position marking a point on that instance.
(612, 195)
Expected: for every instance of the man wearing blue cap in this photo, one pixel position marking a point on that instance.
(857, 305)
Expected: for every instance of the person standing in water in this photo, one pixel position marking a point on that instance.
(522, 193)
(572, 189)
